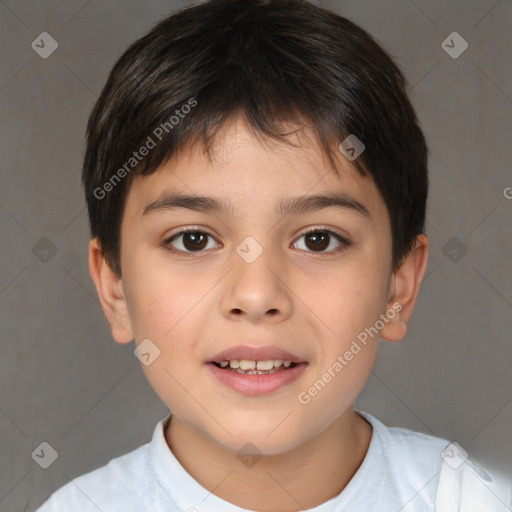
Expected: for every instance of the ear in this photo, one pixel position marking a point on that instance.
(404, 288)
(111, 293)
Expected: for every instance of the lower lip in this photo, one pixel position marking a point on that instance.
(254, 385)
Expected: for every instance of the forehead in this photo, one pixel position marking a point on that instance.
(249, 174)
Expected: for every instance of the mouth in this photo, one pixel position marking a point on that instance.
(252, 370)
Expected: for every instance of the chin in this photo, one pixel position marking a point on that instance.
(262, 439)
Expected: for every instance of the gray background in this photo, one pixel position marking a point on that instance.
(65, 381)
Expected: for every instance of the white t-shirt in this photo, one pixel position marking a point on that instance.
(403, 471)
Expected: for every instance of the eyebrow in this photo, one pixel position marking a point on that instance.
(291, 205)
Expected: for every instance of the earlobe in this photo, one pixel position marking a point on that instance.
(111, 293)
(404, 289)
(394, 330)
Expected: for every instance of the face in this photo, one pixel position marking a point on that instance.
(251, 276)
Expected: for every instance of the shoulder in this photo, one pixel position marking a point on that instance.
(462, 484)
(466, 486)
(439, 473)
(123, 482)
(408, 451)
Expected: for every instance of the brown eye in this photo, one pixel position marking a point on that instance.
(319, 240)
(191, 241)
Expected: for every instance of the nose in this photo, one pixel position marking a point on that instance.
(257, 291)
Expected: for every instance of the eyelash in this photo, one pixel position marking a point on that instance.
(345, 243)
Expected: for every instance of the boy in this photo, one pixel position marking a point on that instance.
(256, 183)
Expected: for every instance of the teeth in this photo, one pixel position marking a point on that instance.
(245, 364)
(264, 365)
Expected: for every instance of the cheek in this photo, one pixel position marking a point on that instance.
(161, 299)
(349, 300)
(349, 304)
(154, 311)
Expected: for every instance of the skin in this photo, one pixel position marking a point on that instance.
(310, 302)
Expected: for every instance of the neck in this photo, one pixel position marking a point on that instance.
(310, 474)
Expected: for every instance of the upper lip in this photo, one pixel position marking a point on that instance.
(255, 353)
